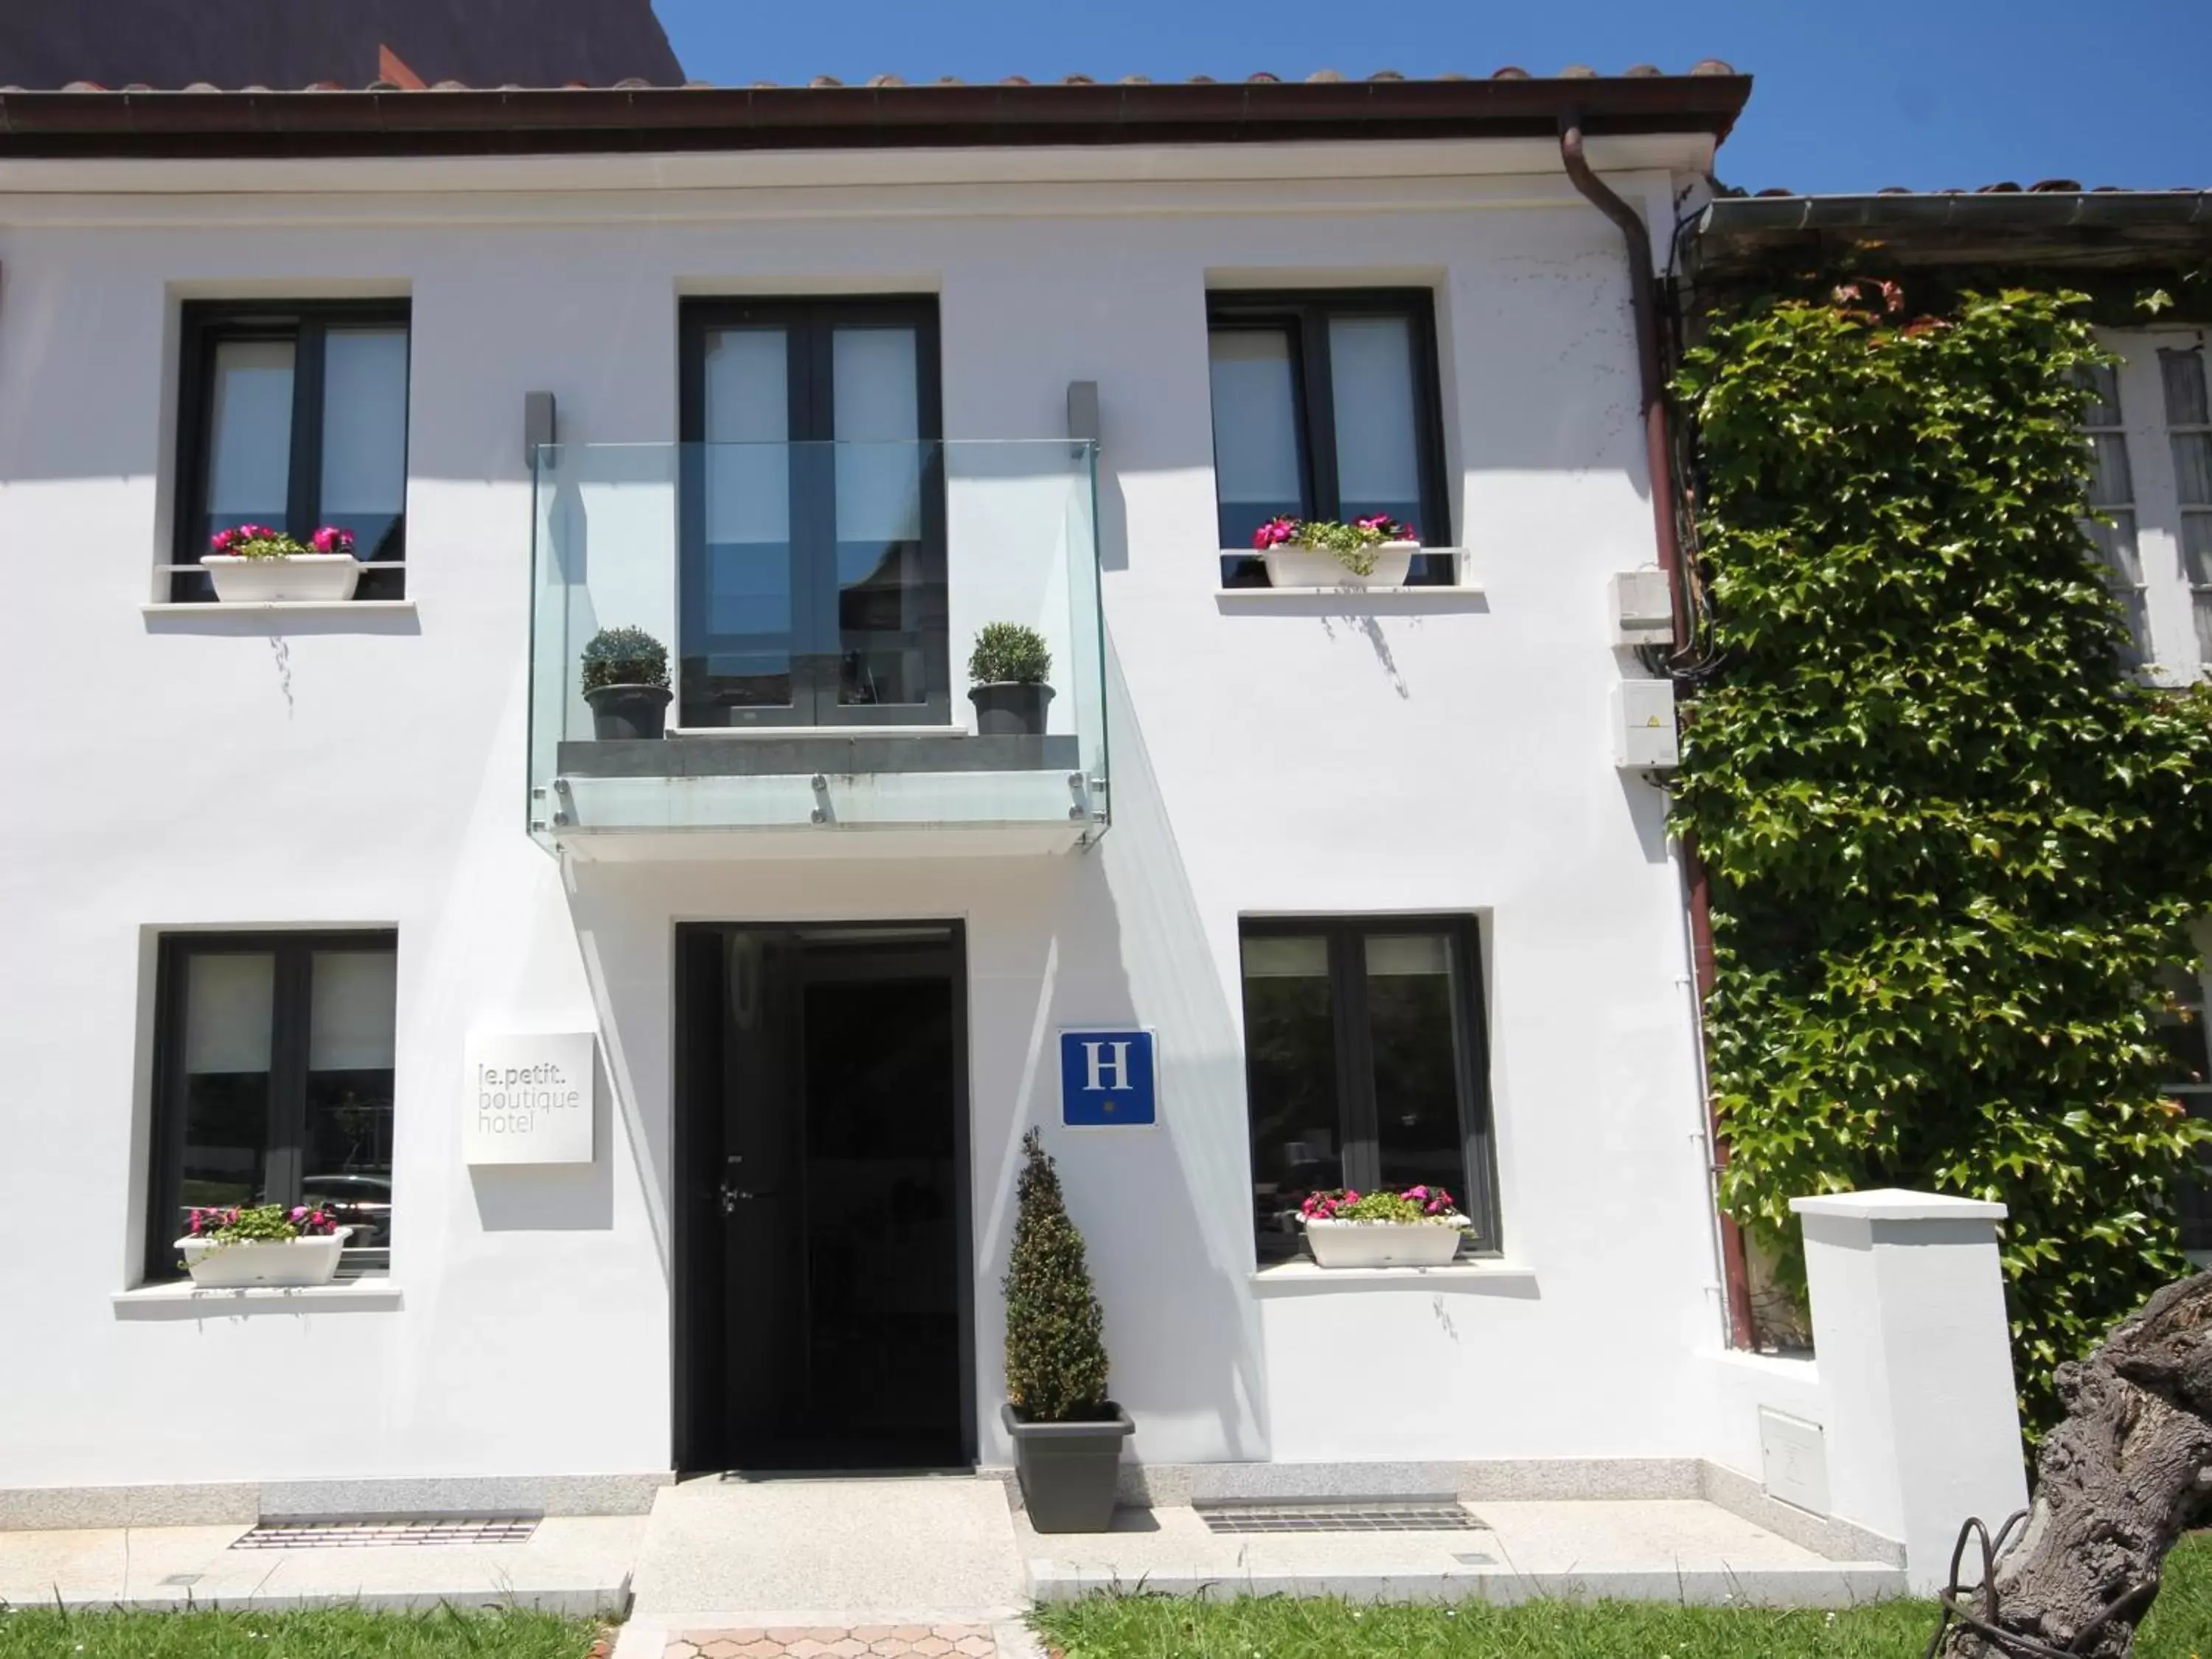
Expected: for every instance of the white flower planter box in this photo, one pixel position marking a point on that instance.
(288, 1261)
(1312, 567)
(326, 577)
(1383, 1243)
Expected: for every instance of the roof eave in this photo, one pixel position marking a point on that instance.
(573, 119)
(2106, 229)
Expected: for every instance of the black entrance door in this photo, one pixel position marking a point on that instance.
(822, 1236)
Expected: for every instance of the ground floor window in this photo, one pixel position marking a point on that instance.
(273, 1083)
(2189, 1081)
(1364, 1066)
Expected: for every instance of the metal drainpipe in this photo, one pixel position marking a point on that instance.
(1659, 464)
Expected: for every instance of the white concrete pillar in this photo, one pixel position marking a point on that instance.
(1914, 1359)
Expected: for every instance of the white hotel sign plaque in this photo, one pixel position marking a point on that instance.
(528, 1099)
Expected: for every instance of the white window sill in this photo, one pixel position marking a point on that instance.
(1441, 597)
(810, 733)
(1460, 593)
(1479, 1275)
(314, 607)
(181, 1298)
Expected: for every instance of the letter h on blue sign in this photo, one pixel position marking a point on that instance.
(1106, 1080)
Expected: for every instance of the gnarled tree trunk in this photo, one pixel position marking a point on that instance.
(2125, 1474)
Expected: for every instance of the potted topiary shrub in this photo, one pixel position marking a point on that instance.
(626, 683)
(1067, 1434)
(265, 1244)
(1419, 1227)
(1371, 552)
(253, 564)
(1008, 667)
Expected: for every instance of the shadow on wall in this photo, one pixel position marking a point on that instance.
(1164, 1210)
(627, 949)
(524, 1198)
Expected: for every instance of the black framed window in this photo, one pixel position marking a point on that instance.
(813, 583)
(1326, 405)
(1366, 1066)
(273, 1083)
(294, 416)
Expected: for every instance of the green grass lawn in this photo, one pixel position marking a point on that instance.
(1134, 1628)
(324, 1633)
(1156, 1628)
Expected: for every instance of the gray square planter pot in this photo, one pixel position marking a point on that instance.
(1067, 1469)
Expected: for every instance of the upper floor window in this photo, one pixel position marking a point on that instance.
(2150, 436)
(1364, 1067)
(274, 1083)
(812, 589)
(2189, 436)
(294, 416)
(2112, 498)
(1326, 406)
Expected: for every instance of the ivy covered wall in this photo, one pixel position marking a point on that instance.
(1951, 842)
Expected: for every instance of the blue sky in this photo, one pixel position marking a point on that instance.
(1927, 95)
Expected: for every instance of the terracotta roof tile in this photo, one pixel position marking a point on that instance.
(1261, 77)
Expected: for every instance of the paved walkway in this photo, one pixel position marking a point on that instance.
(828, 1642)
(1681, 1550)
(737, 1569)
(932, 1568)
(571, 1563)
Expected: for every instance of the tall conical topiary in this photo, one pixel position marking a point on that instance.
(1055, 1350)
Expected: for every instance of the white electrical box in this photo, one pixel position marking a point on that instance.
(1644, 738)
(1643, 609)
(1793, 1456)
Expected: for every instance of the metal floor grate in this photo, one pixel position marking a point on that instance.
(386, 1531)
(1342, 1515)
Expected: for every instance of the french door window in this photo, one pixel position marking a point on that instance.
(294, 417)
(1364, 1067)
(1326, 406)
(274, 1084)
(813, 583)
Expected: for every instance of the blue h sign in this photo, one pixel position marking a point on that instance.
(1106, 1080)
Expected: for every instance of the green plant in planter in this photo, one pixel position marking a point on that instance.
(1352, 545)
(624, 656)
(1008, 654)
(260, 1223)
(1056, 1345)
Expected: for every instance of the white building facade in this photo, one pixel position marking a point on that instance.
(1364, 867)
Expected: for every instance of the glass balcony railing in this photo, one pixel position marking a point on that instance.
(818, 603)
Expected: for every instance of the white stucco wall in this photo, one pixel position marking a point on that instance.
(208, 771)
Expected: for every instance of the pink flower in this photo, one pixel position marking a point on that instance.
(331, 538)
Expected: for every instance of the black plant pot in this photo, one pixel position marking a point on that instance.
(628, 711)
(1005, 708)
(1067, 1470)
